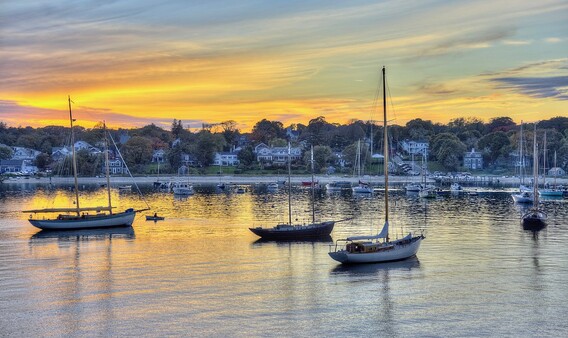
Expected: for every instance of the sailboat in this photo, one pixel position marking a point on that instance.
(413, 187)
(363, 187)
(378, 248)
(524, 195)
(79, 217)
(535, 219)
(549, 192)
(291, 231)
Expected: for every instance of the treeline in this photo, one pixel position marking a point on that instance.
(497, 139)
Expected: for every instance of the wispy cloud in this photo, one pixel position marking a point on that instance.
(545, 79)
(553, 40)
(517, 42)
(539, 87)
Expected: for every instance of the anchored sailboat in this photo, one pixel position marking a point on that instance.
(79, 217)
(535, 219)
(291, 231)
(524, 195)
(378, 248)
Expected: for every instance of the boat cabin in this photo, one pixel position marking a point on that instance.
(366, 247)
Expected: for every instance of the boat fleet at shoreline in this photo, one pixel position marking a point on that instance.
(373, 248)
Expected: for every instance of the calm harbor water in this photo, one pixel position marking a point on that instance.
(201, 272)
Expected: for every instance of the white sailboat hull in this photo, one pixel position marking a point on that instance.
(399, 252)
(90, 221)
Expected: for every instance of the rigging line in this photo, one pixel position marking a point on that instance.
(129, 173)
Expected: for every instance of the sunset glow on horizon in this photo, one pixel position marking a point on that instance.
(133, 63)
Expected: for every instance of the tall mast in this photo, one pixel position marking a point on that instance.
(522, 159)
(107, 169)
(313, 187)
(74, 158)
(544, 162)
(535, 170)
(289, 185)
(555, 170)
(386, 147)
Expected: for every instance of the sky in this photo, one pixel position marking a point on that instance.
(133, 63)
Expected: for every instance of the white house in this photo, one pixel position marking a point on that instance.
(556, 171)
(116, 166)
(226, 159)
(158, 156)
(82, 145)
(276, 155)
(21, 153)
(415, 147)
(12, 166)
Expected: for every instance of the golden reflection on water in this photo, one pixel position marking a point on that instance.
(201, 268)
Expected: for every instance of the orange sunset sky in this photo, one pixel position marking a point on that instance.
(133, 63)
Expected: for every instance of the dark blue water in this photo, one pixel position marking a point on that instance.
(201, 272)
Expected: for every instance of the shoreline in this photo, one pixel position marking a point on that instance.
(243, 179)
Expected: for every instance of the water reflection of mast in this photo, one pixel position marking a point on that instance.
(386, 317)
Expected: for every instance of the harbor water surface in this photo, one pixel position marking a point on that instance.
(201, 272)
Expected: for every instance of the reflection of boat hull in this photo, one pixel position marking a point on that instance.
(294, 232)
(427, 193)
(362, 190)
(551, 193)
(126, 232)
(182, 189)
(523, 197)
(393, 251)
(413, 187)
(338, 186)
(65, 222)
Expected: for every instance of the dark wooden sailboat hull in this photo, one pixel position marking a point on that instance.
(298, 232)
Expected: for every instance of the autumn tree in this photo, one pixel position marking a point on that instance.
(137, 150)
(264, 131)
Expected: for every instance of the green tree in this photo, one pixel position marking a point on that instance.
(206, 146)
(264, 131)
(230, 132)
(87, 164)
(495, 145)
(177, 128)
(448, 150)
(42, 161)
(318, 131)
(174, 156)
(419, 129)
(500, 124)
(323, 156)
(5, 152)
(137, 151)
(246, 156)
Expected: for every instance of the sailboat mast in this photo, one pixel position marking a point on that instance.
(313, 187)
(544, 162)
(107, 169)
(555, 170)
(386, 148)
(522, 164)
(74, 157)
(535, 170)
(289, 186)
